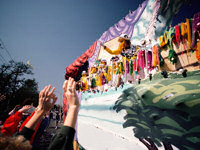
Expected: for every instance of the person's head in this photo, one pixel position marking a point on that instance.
(28, 101)
(124, 38)
(55, 107)
(14, 143)
(84, 73)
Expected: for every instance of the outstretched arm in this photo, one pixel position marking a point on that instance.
(115, 52)
(69, 88)
(44, 106)
(11, 123)
(64, 139)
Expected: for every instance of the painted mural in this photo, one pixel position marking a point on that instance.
(141, 79)
(164, 111)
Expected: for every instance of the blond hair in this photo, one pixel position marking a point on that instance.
(14, 143)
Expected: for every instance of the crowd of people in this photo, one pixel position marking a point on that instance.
(25, 125)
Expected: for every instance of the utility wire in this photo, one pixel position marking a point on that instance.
(2, 61)
(4, 47)
(2, 58)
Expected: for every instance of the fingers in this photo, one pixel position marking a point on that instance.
(45, 97)
(29, 106)
(52, 92)
(46, 93)
(74, 86)
(54, 100)
(69, 86)
(65, 85)
(42, 92)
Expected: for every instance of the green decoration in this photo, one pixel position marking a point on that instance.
(121, 67)
(131, 67)
(161, 60)
(93, 85)
(164, 111)
(172, 56)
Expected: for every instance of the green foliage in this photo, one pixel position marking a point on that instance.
(14, 83)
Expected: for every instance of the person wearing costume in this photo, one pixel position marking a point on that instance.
(84, 81)
(105, 72)
(124, 44)
(93, 72)
(195, 29)
(108, 73)
(102, 75)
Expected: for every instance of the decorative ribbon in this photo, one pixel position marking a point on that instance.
(155, 58)
(178, 35)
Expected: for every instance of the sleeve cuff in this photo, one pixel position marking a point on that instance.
(18, 114)
(26, 132)
(66, 130)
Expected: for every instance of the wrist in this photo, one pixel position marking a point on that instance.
(39, 111)
(71, 116)
(21, 111)
(74, 108)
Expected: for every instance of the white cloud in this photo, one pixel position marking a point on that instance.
(146, 15)
(142, 29)
(135, 32)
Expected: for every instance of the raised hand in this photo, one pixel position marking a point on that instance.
(25, 108)
(69, 87)
(44, 106)
(45, 97)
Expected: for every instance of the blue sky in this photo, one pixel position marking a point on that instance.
(52, 34)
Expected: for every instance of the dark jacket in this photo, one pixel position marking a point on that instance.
(63, 140)
(26, 132)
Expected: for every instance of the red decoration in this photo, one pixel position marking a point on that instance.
(72, 70)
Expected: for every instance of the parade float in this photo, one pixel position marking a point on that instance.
(139, 84)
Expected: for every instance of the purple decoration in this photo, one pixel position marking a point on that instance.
(92, 59)
(149, 60)
(127, 66)
(195, 28)
(125, 25)
(103, 80)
